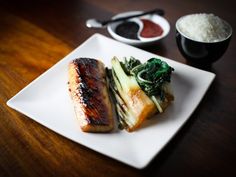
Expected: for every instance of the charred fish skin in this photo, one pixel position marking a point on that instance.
(89, 92)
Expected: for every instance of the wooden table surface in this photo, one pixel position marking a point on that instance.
(34, 35)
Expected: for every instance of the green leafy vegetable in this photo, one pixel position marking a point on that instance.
(128, 65)
(121, 84)
(152, 77)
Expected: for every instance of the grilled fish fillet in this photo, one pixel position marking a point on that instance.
(88, 90)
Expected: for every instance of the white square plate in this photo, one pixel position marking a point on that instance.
(47, 101)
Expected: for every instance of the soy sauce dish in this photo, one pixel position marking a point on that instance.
(140, 31)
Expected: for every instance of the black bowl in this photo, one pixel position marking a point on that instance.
(201, 53)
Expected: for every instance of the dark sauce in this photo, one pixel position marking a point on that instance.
(128, 30)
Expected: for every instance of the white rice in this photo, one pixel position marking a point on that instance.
(204, 27)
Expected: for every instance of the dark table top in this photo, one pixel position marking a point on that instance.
(34, 35)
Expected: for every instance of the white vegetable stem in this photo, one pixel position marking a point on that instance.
(126, 82)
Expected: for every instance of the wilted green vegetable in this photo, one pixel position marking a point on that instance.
(150, 80)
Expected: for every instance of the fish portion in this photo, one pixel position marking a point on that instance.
(89, 92)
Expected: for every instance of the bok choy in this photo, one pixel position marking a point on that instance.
(140, 90)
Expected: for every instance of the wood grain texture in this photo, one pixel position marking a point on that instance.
(34, 35)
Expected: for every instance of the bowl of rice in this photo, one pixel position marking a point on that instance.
(202, 38)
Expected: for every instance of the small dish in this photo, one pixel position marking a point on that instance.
(198, 53)
(141, 41)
